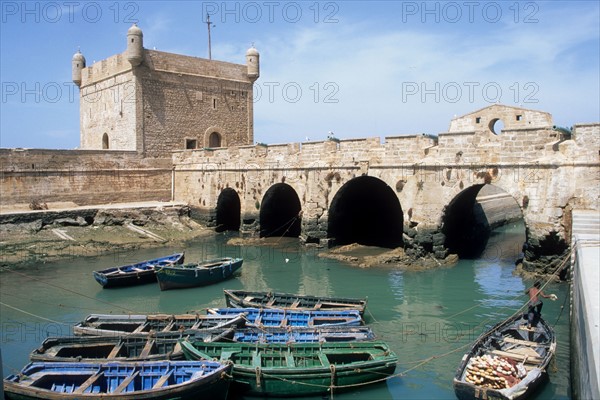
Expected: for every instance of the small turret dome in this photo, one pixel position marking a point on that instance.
(252, 51)
(253, 63)
(135, 30)
(135, 45)
(79, 57)
(77, 65)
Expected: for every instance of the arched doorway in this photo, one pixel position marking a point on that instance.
(473, 214)
(280, 212)
(214, 140)
(366, 211)
(228, 211)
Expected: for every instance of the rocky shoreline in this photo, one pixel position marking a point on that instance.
(28, 238)
(40, 237)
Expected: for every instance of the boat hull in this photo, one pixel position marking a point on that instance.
(304, 335)
(131, 348)
(195, 275)
(511, 347)
(95, 381)
(281, 318)
(134, 274)
(299, 369)
(123, 325)
(249, 299)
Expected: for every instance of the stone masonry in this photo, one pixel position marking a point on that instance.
(546, 170)
(154, 102)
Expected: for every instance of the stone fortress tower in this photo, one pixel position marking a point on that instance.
(155, 102)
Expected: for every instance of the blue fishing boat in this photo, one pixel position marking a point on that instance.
(135, 274)
(197, 274)
(303, 335)
(146, 380)
(283, 318)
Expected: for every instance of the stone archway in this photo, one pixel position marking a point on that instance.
(366, 211)
(469, 219)
(228, 211)
(280, 212)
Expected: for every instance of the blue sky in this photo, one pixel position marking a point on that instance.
(357, 68)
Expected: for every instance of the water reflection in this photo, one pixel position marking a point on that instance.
(427, 315)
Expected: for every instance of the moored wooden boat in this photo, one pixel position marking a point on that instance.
(149, 380)
(135, 274)
(197, 274)
(507, 362)
(118, 325)
(303, 335)
(299, 369)
(165, 346)
(244, 298)
(257, 317)
(133, 347)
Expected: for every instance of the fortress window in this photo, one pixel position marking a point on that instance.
(214, 140)
(191, 144)
(214, 104)
(519, 117)
(105, 141)
(478, 120)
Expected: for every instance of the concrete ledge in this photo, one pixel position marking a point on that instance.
(585, 315)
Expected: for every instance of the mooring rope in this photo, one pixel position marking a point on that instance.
(33, 315)
(74, 292)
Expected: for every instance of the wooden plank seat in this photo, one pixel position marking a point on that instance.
(126, 382)
(517, 355)
(116, 350)
(147, 348)
(89, 382)
(163, 379)
(523, 342)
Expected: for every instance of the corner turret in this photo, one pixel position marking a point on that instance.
(135, 45)
(77, 65)
(253, 63)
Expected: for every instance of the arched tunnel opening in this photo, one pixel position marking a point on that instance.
(228, 211)
(471, 217)
(366, 211)
(280, 212)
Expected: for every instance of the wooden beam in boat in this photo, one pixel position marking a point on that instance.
(126, 382)
(163, 379)
(517, 356)
(115, 351)
(89, 382)
(523, 342)
(147, 348)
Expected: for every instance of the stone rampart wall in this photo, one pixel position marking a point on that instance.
(536, 167)
(83, 177)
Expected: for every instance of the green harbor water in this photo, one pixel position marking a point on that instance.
(429, 318)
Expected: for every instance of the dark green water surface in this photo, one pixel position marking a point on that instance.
(429, 318)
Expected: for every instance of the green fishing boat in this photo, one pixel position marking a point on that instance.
(299, 369)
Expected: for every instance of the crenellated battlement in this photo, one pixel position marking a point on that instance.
(511, 147)
(105, 69)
